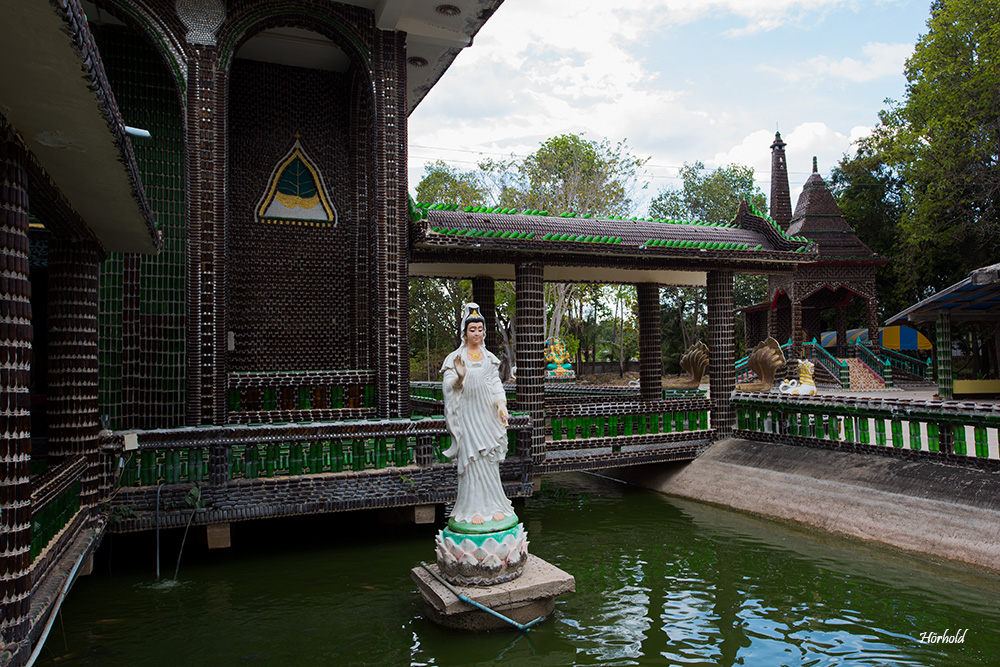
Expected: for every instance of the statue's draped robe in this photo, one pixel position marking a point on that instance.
(478, 437)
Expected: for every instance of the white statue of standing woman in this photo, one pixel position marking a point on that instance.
(475, 409)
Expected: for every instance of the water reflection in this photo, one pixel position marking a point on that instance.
(659, 581)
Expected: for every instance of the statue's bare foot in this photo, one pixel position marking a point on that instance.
(498, 516)
(477, 520)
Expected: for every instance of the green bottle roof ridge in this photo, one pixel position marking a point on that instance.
(418, 210)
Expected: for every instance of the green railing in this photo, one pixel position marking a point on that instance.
(613, 426)
(55, 500)
(906, 363)
(300, 396)
(570, 428)
(946, 429)
(191, 455)
(839, 369)
(559, 394)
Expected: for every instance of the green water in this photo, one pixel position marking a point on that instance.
(659, 581)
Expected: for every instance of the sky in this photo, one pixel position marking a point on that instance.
(678, 80)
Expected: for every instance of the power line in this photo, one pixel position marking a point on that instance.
(466, 150)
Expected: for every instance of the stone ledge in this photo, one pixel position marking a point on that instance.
(523, 599)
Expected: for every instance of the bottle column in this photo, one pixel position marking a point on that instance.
(15, 401)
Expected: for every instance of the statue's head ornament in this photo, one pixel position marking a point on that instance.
(470, 313)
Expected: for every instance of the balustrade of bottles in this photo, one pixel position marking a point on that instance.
(300, 396)
(619, 424)
(55, 500)
(281, 450)
(950, 429)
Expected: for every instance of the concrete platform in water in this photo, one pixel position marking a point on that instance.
(522, 600)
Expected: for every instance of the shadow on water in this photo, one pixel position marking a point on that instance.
(659, 581)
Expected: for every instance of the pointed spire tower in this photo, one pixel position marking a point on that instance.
(781, 199)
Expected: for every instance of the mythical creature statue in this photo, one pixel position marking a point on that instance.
(805, 385)
(765, 360)
(695, 362)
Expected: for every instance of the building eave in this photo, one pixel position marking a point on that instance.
(56, 96)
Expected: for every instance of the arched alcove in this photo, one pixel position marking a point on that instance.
(299, 142)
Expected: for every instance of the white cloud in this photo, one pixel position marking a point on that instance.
(760, 15)
(805, 141)
(544, 67)
(880, 60)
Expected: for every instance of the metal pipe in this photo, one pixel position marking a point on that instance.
(138, 132)
(466, 599)
(158, 529)
(55, 607)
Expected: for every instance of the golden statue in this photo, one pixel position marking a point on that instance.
(557, 361)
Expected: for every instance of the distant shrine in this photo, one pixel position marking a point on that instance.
(845, 269)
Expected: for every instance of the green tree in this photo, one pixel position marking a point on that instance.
(445, 184)
(570, 174)
(436, 304)
(435, 312)
(708, 197)
(870, 195)
(943, 139)
(567, 174)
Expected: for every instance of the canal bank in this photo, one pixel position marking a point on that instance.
(935, 509)
(660, 581)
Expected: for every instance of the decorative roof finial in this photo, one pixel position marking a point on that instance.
(815, 168)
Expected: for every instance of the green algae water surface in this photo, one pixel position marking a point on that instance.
(659, 582)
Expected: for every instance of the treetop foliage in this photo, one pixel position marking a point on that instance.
(942, 143)
(711, 197)
(568, 174)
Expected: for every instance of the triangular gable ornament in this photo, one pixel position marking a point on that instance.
(296, 193)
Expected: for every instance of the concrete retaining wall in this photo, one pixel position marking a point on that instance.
(945, 511)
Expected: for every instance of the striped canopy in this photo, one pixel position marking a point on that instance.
(893, 338)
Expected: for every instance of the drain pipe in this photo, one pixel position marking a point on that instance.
(464, 598)
(158, 530)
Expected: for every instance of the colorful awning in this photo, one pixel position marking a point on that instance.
(892, 338)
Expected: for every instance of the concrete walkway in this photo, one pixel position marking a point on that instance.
(945, 511)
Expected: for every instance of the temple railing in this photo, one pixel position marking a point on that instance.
(595, 435)
(877, 364)
(905, 362)
(428, 397)
(588, 436)
(246, 472)
(953, 431)
(55, 500)
(216, 455)
(300, 396)
(837, 368)
(612, 424)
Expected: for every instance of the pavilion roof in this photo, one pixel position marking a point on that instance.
(750, 243)
(975, 299)
(818, 218)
